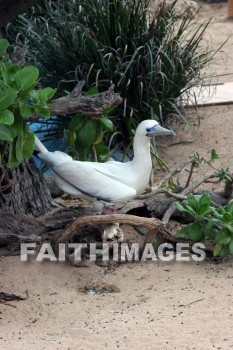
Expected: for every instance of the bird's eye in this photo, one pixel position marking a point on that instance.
(148, 129)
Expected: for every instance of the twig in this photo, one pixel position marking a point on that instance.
(176, 170)
(94, 154)
(195, 301)
(186, 191)
(190, 174)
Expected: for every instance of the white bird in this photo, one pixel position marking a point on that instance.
(109, 182)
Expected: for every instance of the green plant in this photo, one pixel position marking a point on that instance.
(152, 59)
(19, 100)
(85, 136)
(223, 173)
(209, 223)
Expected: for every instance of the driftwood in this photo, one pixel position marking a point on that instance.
(79, 102)
(151, 224)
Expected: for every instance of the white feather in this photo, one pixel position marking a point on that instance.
(109, 182)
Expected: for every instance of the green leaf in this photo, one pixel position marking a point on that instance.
(42, 95)
(214, 155)
(192, 201)
(224, 251)
(107, 124)
(70, 137)
(102, 152)
(100, 138)
(231, 246)
(191, 210)
(195, 232)
(209, 230)
(223, 237)
(77, 122)
(11, 72)
(6, 133)
(28, 143)
(12, 160)
(49, 92)
(6, 117)
(27, 77)
(7, 98)
(227, 217)
(183, 233)
(26, 110)
(3, 70)
(203, 209)
(44, 111)
(92, 91)
(108, 110)
(217, 249)
(3, 46)
(229, 208)
(19, 147)
(88, 133)
(229, 227)
(184, 209)
(34, 97)
(18, 124)
(205, 199)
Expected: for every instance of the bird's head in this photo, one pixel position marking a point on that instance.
(152, 128)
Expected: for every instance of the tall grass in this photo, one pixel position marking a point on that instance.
(151, 59)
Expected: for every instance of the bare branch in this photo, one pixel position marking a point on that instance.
(149, 223)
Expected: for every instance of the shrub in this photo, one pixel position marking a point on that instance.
(151, 60)
(209, 223)
(19, 100)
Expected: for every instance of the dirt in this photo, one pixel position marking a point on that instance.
(151, 305)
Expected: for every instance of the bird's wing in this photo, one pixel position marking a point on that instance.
(121, 172)
(88, 179)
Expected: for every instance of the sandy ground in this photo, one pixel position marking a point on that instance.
(156, 305)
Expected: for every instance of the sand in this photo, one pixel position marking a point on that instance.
(156, 305)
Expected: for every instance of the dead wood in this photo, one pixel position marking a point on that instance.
(16, 229)
(79, 102)
(149, 223)
(6, 297)
(11, 297)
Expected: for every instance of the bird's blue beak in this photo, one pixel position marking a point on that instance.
(158, 130)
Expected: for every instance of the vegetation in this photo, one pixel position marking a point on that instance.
(151, 59)
(85, 136)
(19, 100)
(209, 223)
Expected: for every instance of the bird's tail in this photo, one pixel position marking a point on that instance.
(50, 158)
(40, 145)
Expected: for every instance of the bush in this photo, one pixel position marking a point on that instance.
(213, 224)
(19, 100)
(151, 60)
